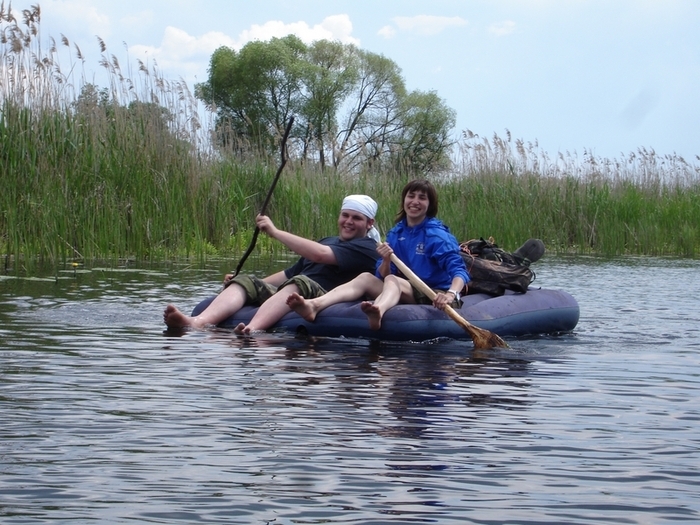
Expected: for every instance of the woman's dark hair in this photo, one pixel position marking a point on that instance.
(426, 187)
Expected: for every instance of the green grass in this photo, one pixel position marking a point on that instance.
(127, 172)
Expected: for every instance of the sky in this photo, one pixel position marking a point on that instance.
(606, 77)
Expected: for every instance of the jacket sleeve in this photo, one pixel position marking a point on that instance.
(445, 250)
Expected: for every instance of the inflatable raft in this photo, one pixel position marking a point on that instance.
(539, 311)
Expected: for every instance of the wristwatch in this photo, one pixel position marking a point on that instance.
(455, 293)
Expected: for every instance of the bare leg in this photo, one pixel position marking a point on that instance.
(271, 311)
(227, 303)
(395, 290)
(364, 284)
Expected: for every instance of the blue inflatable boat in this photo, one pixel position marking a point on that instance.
(539, 311)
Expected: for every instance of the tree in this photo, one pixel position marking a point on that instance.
(353, 111)
(371, 111)
(329, 77)
(423, 139)
(254, 92)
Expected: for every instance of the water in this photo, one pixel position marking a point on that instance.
(107, 419)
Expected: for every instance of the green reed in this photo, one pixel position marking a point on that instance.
(128, 171)
(640, 204)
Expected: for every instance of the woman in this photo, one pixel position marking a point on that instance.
(418, 239)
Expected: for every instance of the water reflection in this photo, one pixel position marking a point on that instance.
(105, 418)
(419, 391)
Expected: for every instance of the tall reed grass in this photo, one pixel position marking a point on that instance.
(128, 171)
(640, 204)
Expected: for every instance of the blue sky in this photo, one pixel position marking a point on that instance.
(604, 76)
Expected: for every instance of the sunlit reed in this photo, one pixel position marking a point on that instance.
(128, 170)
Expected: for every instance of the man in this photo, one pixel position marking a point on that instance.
(323, 265)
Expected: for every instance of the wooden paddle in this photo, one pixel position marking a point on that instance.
(482, 338)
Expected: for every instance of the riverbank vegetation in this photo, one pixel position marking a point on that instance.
(132, 170)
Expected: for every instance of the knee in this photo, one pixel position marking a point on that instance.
(288, 289)
(391, 279)
(366, 277)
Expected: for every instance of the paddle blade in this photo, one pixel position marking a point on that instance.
(483, 339)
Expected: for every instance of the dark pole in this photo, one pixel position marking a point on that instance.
(283, 152)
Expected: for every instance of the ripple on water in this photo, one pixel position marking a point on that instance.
(106, 418)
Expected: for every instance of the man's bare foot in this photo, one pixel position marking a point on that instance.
(374, 316)
(301, 306)
(243, 329)
(175, 319)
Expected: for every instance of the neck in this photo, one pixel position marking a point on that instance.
(415, 222)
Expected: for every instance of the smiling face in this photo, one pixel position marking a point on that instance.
(416, 204)
(353, 225)
(418, 200)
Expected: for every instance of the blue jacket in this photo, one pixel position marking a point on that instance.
(430, 250)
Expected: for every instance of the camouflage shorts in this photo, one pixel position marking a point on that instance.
(308, 288)
(257, 291)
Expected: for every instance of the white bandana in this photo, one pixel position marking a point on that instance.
(366, 206)
(362, 203)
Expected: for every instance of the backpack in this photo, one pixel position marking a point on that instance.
(493, 270)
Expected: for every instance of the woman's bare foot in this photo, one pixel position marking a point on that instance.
(240, 329)
(303, 307)
(175, 319)
(374, 316)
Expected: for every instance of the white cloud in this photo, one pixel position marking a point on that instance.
(428, 24)
(183, 52)
(387, 32)
(336, 27)
(502, 28)
(179, 43)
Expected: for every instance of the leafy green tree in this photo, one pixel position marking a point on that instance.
(423, 140)
(255, 91)
(352, 108)
(329, 78)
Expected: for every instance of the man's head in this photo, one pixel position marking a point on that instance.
(356, 217)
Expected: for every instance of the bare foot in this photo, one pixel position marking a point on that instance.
(304, 308)
(243, 329)
(374, 316)
(175, 319)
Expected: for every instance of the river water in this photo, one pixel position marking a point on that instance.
(105, 418)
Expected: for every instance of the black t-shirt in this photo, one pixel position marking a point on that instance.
(354, 257)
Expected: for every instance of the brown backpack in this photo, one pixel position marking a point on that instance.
(493, 270)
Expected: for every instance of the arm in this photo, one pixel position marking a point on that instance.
(445, 252)
(308, 249)
(384, 268)
(442, 299)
